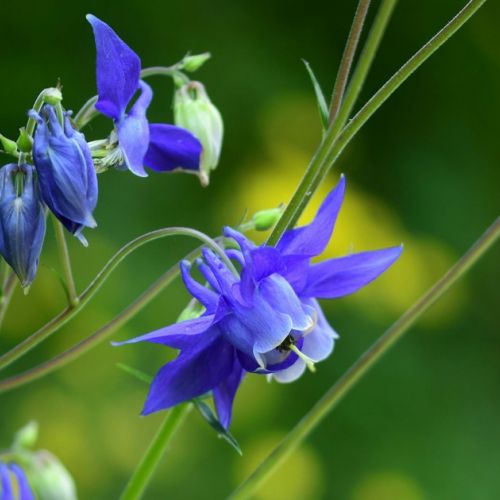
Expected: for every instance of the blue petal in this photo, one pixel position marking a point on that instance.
(318, 344)
(6, 482)
(172, 148)
(312, 239)
(291, 373)
(24, 489)
(181, 335)
(225, 392)
(193, 373)
(22, 223)
(118, 70)
(338, 277)
(133, 132)
(204, 295)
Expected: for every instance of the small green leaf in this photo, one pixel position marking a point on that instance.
(320, 97)
(208, 415)
(138, 374)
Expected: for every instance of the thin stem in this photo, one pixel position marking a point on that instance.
(62, 247)
(63, 317)
(347, 58)
(333, 396)
(144, 472)
(37, 106)
(334, 143)
(8, 290)
(366, 58)
(86, 113)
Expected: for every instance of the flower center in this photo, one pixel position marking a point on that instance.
(289, 344)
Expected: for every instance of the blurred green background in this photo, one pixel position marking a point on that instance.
(424, 423)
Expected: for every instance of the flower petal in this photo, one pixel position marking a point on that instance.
(319, 343)
(133, 132)
(193, 373)
(179, 335)
(225, 392)
(338, 277)
(118, 70)
(204, 295)
(171, 148)
(6, 483)
(24, 488)
(312, 239)
(291, 373)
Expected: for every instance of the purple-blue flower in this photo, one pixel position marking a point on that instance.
(266, 319)
(22, 220)
(66, 174)
(13, 479)
(160, 147)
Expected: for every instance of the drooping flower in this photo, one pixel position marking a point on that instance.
(13, 479)
(66, 174)
(161, 147)
(267, 320)
(22, 220)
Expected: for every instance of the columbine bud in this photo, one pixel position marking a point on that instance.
(10, 147)
(68, 181)
(195, 112)
(52, 96)
(266, 219)
(48, 477)
(22, 221)
(194, 62)
(24, 141)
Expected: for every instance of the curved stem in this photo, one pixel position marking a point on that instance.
(62, 247)
(37, 106)
(366, 58)
(63, 317)
(333, 144)
(333, 396)
(347, 58)
(8, 290)
(144, 472)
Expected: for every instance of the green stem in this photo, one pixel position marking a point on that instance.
(63, 317)
(333, 396)
(347, 58)
(144, 472)
(37, 106)
(62, 247)
(334, 142)
(366, 58)
(9, 287)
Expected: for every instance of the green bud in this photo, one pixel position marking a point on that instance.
(266, 219)
(10, 147)
(48, 477)
(26, 437)
(52, 96)
(194, 111)
(24, 141)
(192, 63)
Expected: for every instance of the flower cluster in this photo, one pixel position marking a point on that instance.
(265, 319)
(56, 167)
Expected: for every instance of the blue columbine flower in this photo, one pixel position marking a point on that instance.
(13, 479)
(267, 320)
(22, 220)
(66, 174)
(160, 147)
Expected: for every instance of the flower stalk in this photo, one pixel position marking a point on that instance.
(374, 354)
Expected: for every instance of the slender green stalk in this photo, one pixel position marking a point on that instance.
(334, 143)
(144, 472)
(333, 396)
(366, 58)
(37, 106)
(9, 287)
(63, 317)
(347, 58)
(62, 248)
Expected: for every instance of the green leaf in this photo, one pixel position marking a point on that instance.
(320, 97)
(138, 374)
(208, 415)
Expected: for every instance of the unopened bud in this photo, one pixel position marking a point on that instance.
(26, 437)
(10, 147)
(52, 96)
(24, 141)
(194, 62)
(194, 111)
(266, 219)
